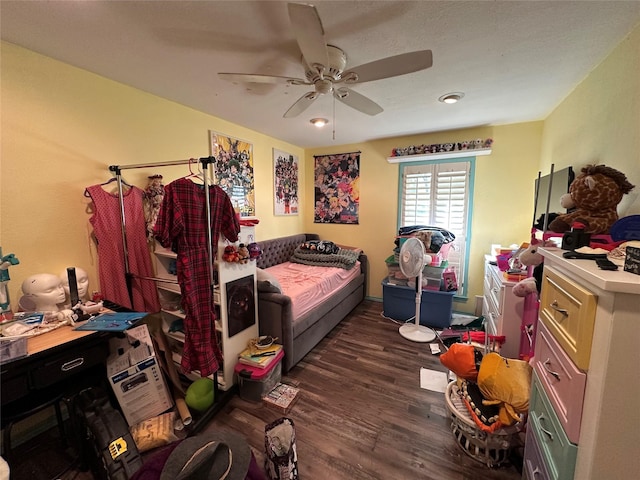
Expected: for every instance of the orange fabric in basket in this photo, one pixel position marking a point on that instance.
(461, 360)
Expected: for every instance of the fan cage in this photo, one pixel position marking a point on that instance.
(416, 250)
(492, 449)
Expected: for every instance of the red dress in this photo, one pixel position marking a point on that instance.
(107, 227)
(182, 226)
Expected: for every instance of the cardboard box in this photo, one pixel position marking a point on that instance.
(399, 303)
(136, 377)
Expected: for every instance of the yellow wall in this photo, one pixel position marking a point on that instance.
(599, 122)
(61, 129)
(502, 203)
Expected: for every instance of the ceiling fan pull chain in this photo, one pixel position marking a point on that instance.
(334, 118)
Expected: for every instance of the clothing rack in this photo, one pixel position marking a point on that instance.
(220, 399)
(117, 170)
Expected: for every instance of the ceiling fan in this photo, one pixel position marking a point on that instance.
(325, 65)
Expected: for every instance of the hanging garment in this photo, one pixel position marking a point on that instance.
(182, 226)
(107, 227)
(153, 195)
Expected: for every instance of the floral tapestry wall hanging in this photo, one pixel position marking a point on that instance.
(337, 188)
(233, 171)
(285, 177)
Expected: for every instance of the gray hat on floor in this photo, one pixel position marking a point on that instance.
(212, 456)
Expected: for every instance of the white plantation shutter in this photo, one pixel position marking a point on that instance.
(437, 195)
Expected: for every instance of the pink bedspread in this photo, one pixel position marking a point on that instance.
(308, 285)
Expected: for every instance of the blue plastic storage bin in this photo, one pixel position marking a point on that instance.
(399, 303)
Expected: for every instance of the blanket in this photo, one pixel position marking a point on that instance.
(343, 258)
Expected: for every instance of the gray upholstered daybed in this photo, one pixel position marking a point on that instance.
(300, 335)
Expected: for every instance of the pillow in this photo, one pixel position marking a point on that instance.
(267, 283)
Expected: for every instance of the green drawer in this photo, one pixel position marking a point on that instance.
(559, 453)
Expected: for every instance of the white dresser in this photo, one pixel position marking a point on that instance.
(584, 418)
(502, 310)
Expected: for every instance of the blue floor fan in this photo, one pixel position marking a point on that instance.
(413, 259)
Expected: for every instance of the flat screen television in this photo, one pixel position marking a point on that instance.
(548, 190)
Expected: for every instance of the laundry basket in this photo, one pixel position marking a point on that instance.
(492, 449)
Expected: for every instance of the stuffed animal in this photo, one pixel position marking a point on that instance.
(243, 253)
(230, 254)
(595, 193)
(525, 287)
(530, 257)
(254, 250)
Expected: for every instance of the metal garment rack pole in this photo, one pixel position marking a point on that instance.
(205, 161)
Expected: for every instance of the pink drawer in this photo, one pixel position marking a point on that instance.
(562, 381)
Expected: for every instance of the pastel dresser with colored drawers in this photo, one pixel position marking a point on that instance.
(584, 412)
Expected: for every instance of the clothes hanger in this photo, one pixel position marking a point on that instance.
(112, 179)
(194, 175)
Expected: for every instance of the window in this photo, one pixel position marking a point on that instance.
(438, 194)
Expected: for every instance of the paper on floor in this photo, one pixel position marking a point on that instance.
(433, 380)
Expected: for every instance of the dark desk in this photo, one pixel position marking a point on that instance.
(59, 364)
(66, 361)
(55, 357)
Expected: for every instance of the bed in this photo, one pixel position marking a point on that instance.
(300, 315)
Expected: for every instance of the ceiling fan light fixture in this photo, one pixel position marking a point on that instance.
(324, 66)
(451, 98)
(319, 122)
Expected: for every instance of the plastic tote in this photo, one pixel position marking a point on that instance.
(281, 460)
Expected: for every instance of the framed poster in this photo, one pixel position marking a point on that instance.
(233, 171)
(285, 188)
(241, 305)
(337, 188)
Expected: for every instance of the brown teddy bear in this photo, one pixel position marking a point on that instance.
(595, 194)
(243, 253)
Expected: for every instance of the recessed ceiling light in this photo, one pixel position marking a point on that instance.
(451, 97)
(319, 122)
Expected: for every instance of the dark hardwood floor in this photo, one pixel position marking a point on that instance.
(362, 414)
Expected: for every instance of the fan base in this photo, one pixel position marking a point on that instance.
(417, 333)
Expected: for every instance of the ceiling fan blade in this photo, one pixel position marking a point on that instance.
(390, 67)
(256, 78)
(309, 33)
(301, 104)
(357, 101)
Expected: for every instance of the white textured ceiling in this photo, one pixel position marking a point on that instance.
(514, 60)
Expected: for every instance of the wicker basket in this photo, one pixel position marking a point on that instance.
(492, 449)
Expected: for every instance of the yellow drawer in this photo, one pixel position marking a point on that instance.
(569, 312)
